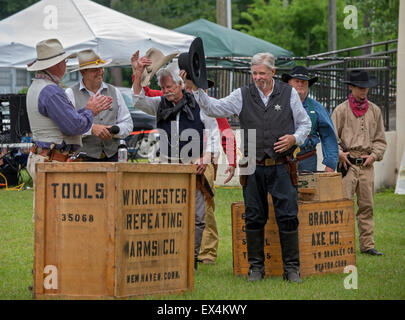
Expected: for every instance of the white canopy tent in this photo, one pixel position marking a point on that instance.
(81, 24)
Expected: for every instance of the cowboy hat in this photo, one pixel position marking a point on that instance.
(49, 53)
(299, 72)
(361, 79)
(193, 62)
(88, 59)
(158, 61)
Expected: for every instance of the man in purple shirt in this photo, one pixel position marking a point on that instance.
(55, 124)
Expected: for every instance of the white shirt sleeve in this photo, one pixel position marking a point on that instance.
(219, 108)
(212, 133)
(124, 119)
(302, 122)
(70, 95)
(146, 104)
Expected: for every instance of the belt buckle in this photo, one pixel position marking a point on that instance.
(359, 161)
(269, 162)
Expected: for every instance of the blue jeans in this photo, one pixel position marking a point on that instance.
(308, 164)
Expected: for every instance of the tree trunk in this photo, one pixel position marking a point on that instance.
(116, 75)
(366, 24)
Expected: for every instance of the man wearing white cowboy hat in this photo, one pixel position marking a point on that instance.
(360, 131)
(101, 142)
(55, 124)
(177, 107)
(322, 129)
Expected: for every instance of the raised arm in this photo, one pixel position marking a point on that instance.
(217, 108)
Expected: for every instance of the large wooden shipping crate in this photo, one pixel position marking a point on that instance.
(106, 230)
(326, 236)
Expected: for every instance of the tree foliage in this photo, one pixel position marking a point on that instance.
(383, 16)
(168, 14)
(8, 8)
(302, 25)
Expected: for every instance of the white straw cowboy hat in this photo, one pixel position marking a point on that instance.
(88, 59)
(158, 61)
(49, 53)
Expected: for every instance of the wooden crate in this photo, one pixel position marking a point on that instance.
(320, 186)
(326, 236)
(111, 230)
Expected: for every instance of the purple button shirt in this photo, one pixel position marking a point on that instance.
(54, 104)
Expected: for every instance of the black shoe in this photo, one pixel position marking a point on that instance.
(255, 275)
(195, 264)
(373, 252)
(292, 277)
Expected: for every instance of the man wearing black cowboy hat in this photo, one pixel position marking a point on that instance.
(274, 110)
(322, 129)
(359, 127)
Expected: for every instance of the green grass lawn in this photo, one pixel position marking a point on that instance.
(378, 277)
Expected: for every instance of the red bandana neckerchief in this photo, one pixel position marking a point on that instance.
(359, 107)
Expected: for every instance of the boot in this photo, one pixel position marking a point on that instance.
(255, 252)
(198, 233)
(291, 255)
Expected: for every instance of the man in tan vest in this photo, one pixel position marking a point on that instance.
(55, 124)
(360, 131)
(101, 142)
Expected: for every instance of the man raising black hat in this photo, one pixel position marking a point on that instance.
(273, 111)
(322, 129)
(359, 127)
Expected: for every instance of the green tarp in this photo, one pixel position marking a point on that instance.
(220, 41)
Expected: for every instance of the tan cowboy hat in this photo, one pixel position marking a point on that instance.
(49, 53)
(88, 59)
(158, 61)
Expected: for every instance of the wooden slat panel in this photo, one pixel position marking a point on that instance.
(326, 235)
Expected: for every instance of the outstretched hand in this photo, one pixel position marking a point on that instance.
(98, 103)
(138, 64)
(343, 161)
(134, 61)
(231, 170)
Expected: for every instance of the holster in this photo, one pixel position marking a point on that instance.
(243, 163)
(292, 167)
(342, 169)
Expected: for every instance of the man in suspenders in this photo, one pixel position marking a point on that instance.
(322, 129)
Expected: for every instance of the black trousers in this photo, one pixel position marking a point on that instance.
(276, 181)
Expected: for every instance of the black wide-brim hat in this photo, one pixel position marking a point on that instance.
(299, 72)
(361, 79)
(193, 62)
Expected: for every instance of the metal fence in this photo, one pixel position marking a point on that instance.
(332, 69)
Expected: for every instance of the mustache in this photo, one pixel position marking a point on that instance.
(169, 94)
(261, 82)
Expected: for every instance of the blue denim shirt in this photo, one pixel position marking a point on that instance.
(323, 132)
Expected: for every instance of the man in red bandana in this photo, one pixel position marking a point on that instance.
(360, 131)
